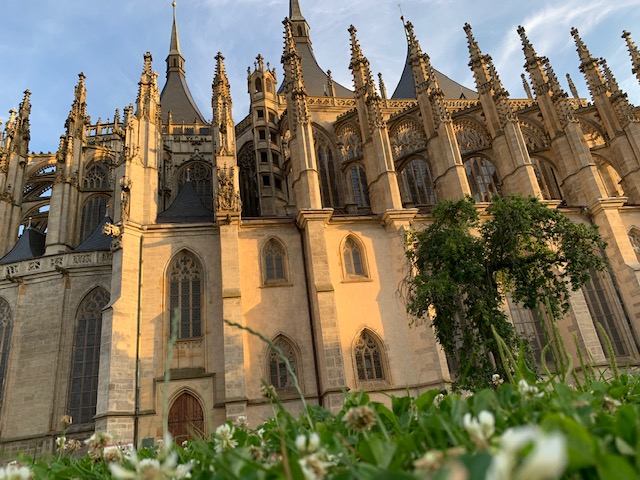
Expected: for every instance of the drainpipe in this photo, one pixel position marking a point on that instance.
(139, 320)
(310, 310)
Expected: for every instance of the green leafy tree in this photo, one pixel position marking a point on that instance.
(462, 269)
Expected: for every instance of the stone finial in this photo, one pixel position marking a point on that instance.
(612, 83)
(572, 87)
(634, 53)
(474, 49)
(356, 52)
(525, 85)
(414, 46)
(581, 48)
(529, 53)
(381, 85)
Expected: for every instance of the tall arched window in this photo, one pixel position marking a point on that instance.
(5, 343)
(529, 325)
(326, 169)
(547, 180)
(483, 178)
(248, 182)
(199, 173)
(368, 357)
(185, 295)
(279, 377)
(86, 356)
(416, 184)
(93, 211)
(186, 418)
(274, 261)
(353, 259)
(359, 185)
(605, 309)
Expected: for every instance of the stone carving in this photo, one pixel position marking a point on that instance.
(228, 198)
(125, 193)
(406, 138)
(114, 231)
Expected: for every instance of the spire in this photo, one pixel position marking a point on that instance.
(635, 54)
(589, 66)
(295, 13)
(478, 62)
(78, 113)
(148, 101)
(381, 86)
(293, 79)
(222, 110)
(176, 97)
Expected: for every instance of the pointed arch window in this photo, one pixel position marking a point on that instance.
(279, 377)
(186, 418)
(368, 358)
(529, 325)
(6, 323)
(86, 356)
(605, 309)
(547, 179)
(96, 178)
(353, 260)
(185, 295)
(326, 170)
(248, 182)
(274, 260)
(93, 211)
(483, 178)
(359, 185)
(199, 173)
(416, 183)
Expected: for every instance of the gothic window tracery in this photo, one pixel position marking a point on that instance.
(350, 142)
(358, 178)
(416, 183)
(367, 354)
(547, 179)
(279, 377)
(591, 134)
(407, 138)
(483, 178)
(634, 237)
(326, 170)
(96, 178)
(529, 325)
(199, 173)
(471, 137)
(86, 356)
(534, 137)
(93, 211)
(185, 296)
(353, 259)
(6, 324)
(274, 260)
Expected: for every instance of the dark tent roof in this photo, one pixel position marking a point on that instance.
(31, 244)
(96, 239)
(452, 90)
(186, 208)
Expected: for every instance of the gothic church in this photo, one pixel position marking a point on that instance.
(291, 223)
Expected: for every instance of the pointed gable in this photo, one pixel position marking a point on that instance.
(31, 244)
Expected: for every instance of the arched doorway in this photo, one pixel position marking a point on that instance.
(186, 419)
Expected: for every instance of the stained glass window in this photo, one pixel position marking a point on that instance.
(86, 356)
(482, 177)
(93, 212)
(368, 358)
(185, 295)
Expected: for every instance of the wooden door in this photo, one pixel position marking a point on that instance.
(186, 419)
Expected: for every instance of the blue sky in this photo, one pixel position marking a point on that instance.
(44, 44)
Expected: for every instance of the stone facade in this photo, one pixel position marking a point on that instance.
(170, 239)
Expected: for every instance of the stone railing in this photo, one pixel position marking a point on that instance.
(60, 262)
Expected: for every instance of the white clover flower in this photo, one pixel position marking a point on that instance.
(432, 460)
(546, 460)
(164, 468)
(527, 390)
(315, 465)
(309, 444)
(480, 429)
(438, 399)
(241, 421)
(496, 379)
(61, 443)
(112, 453)
(99, 440)
(610, 404)
(15, 472)
(224, 438)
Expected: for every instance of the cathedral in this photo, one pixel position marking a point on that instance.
(135, 260)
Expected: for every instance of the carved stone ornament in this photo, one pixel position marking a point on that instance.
(228, 198)
(115, 232)
(125, 193)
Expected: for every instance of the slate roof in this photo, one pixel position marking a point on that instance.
(176, 98)
(186, 208)
(452, 90)
(96, 239)
(31, 244)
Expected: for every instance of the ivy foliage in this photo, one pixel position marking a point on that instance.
(462, 269)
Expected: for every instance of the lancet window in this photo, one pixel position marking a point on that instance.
(416, 184)
(326, 170)
(279, 376)
(547, 179)
(275, 262)
(368, 357)
(483, 178)
(93, 211)
(185, 296)
(248, 182)
(358, 178)
(86, 356)
(199, 174)
(353, 259)
(6, 324)
(529, 325)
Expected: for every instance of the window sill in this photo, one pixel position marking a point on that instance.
(279, 284)
(355, 279)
